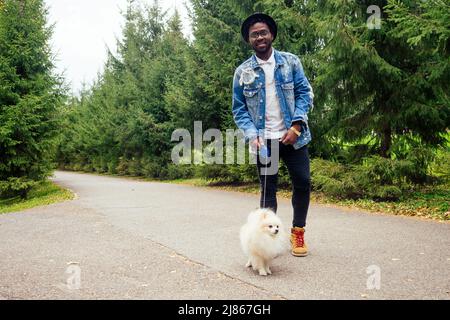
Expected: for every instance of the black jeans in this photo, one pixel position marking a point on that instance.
(297, 163)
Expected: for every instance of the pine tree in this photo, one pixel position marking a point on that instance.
(122, 124)
(370, 79)
(216, 51)
(297, 34)
(30, 94)
(425, 27)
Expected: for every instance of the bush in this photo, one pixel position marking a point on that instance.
(441, 166)
(150, 168)
(245, 173)
(16, 186)
(180, 171)
(386, 193)
(112, 166)
(122, 166)
(213, 172)
(382, 171)
(421, 159)
(332, 178)
(134, 167)
(376, 178)
(100, 165)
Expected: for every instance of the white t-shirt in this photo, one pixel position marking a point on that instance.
(275, 127)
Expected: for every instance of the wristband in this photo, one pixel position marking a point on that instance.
(296, 131)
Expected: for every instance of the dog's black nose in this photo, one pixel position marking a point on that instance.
(276, 231)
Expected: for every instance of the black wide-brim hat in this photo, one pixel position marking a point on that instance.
(258, 17)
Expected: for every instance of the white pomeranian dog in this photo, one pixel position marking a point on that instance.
(263, 238)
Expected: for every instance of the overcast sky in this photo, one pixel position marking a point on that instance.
(85, 28)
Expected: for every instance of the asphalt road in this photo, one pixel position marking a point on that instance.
(127, 239)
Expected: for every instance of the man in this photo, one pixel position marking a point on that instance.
(271, 99)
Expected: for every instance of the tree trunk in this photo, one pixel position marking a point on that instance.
(24, 193)
(386, 140)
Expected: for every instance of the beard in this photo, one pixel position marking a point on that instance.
(262, 47)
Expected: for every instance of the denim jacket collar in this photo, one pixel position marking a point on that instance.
(278, 60)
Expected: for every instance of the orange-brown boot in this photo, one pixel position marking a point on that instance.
(299, 248)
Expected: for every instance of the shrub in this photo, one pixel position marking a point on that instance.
(16, 186)
(377, 178)
(180, 171)
(150, 168)
(134, 167)
(212, 172)
(441, 166)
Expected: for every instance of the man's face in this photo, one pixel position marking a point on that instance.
(260, 37)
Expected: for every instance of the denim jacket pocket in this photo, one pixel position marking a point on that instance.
(288, 92)
(252, 98)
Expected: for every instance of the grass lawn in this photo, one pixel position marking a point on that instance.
(432, 203)
(43, 194)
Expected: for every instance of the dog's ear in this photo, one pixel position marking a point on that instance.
(264, 216)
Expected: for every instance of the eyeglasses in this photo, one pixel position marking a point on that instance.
(256, 34)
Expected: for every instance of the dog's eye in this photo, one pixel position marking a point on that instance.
(271, 226)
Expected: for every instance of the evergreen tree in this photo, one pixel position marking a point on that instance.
(217, 50)
(297, 34)
(30, 94)
(425, 27)
(377, 91)
(123, 123)
(370, 79)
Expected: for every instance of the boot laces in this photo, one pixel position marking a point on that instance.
(299, 238)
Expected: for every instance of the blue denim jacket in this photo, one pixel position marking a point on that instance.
(293, 90)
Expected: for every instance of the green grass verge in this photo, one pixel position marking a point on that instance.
(44, 193)
(431, 203)
(427, 204)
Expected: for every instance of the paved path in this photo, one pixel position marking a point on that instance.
(128, 239)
